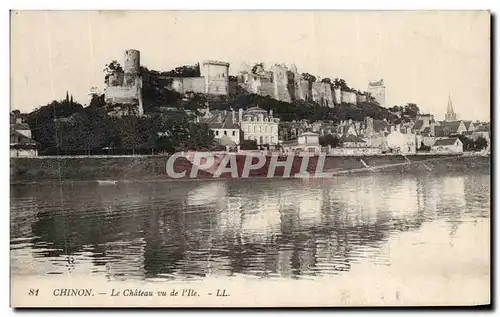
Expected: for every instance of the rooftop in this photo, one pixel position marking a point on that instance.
(220, 120)
(378, 83)
(212, 62)
(449, 141)
(351, 139)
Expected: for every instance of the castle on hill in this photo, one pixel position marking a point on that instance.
(279, 82)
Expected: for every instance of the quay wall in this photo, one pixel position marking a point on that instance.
(52, 169)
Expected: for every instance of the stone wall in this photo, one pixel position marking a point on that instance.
(348, 97)
(361, 98)
(322, 94)
(337, 96)
(280, 81)
(183, 85)
(355, 151)
(267, 88)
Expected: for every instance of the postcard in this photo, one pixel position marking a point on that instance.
(250, 158)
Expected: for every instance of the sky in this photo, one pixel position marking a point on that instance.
(423, 56)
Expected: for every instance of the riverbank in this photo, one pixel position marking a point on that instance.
(90, 168)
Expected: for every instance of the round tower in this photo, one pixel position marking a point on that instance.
(132, 62)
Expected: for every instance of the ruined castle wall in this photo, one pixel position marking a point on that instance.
(267, 88)
(280, 78)
(122, 94)
(337, 96)
(361, 98)
(322, 94)
(304, 85)
(116, 79)
(257, 85)
(184, 84)
(348, 97)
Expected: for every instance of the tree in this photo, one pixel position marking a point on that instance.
(480, 143)
(97, 100)
(184, 71)
(111, 68)
(468, 144)
(257, 67)
(326, 81)
(424, 148)
(308, 77)
(330, 140)
(411, 110)
(248, 145)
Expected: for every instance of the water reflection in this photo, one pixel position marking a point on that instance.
(272, 228)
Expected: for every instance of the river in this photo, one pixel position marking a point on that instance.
(402, 227)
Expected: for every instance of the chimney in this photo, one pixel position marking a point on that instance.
(271, 113)
(233, 115)
(240, 115)
(350, 121)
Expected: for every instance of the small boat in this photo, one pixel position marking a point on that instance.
(107, 182)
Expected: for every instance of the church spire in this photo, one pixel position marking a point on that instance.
(450, 114)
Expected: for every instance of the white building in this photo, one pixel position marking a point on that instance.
(450, 145)
(405, 143)
(225, 127)
(259, 125)
(306, 142)
(21, 143)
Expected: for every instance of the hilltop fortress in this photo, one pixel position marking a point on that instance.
(279, 82)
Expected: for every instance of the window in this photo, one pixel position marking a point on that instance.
(216, 132)
(225, 132)
(234, 133)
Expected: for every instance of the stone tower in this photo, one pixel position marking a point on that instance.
(377, 89)
(450, 113)
(124, 89)
(132, 62)
(280, 82)
(216, 74)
